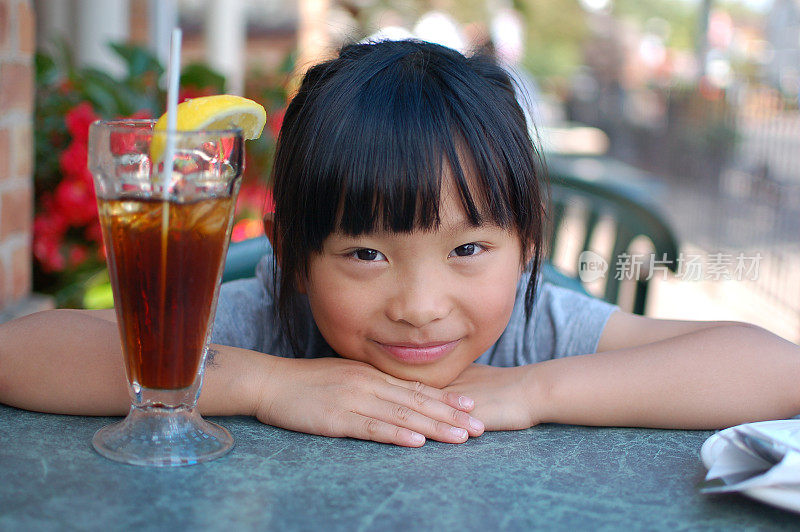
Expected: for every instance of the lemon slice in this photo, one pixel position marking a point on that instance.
(221, 111)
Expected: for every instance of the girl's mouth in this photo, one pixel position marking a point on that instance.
(419, 353)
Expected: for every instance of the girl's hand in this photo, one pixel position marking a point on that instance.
(338, 397)
(502, 395)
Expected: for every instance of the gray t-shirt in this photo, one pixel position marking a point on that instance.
(563, 323)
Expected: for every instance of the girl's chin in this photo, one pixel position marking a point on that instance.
(437, 375)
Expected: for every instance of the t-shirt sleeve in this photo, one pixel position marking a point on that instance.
(566, 322)
(246, 317)
(242, 311)
(563, 323)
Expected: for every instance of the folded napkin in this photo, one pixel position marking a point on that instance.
(756, 455)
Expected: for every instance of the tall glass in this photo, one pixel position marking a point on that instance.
(166, 235)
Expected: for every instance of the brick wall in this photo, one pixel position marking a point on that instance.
(17, 42)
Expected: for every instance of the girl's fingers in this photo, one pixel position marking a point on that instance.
(430, 408)
(457, 401)
(403, 416)
(368, 428)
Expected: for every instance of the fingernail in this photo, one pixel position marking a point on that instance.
(465, 402)
(458, 433)
(417, 438)
(476, 424)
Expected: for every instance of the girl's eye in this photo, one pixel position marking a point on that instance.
(467, 250)
(368, 254)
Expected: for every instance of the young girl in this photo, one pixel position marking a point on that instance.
(405, 305)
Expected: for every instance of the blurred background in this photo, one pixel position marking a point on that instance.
(691, 103)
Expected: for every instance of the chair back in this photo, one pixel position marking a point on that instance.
(633, 216)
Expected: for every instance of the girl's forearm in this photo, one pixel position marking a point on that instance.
(62, 361)
(237, 380)
(707, 379)
(70, 362)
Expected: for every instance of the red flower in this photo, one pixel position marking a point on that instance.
(50, 224)
(78, 120)
(247, 228)
(73, 161)
(77, 254)
(74, 199)
(93, 232)
(275, 122)
(49, 229)
(48, 255)
(255, 197)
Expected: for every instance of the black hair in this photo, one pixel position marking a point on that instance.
(364, 143)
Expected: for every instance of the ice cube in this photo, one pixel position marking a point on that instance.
(189, 161)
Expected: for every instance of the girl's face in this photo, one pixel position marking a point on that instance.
(421, 305)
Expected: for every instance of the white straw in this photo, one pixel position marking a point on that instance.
(173, 77)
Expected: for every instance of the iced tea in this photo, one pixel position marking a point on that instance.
(164, 282)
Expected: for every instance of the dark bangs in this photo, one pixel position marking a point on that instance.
(387, 141)
(368, 137)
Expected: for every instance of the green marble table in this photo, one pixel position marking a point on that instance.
(552, 477)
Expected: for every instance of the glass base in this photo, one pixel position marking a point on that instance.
(154, 436)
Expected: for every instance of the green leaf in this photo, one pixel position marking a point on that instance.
(47, 72)
(288, 63)
(202, 76)
(274, 97)
(101, 90)
(97, 292)
(98, 297)
(138, 60)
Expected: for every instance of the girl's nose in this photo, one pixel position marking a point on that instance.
(419, 301)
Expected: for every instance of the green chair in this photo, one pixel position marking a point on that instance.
(243, 257)
(630, 206)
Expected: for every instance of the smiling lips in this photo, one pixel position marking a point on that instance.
(420, 353)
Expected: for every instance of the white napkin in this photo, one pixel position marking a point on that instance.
(740, 470)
